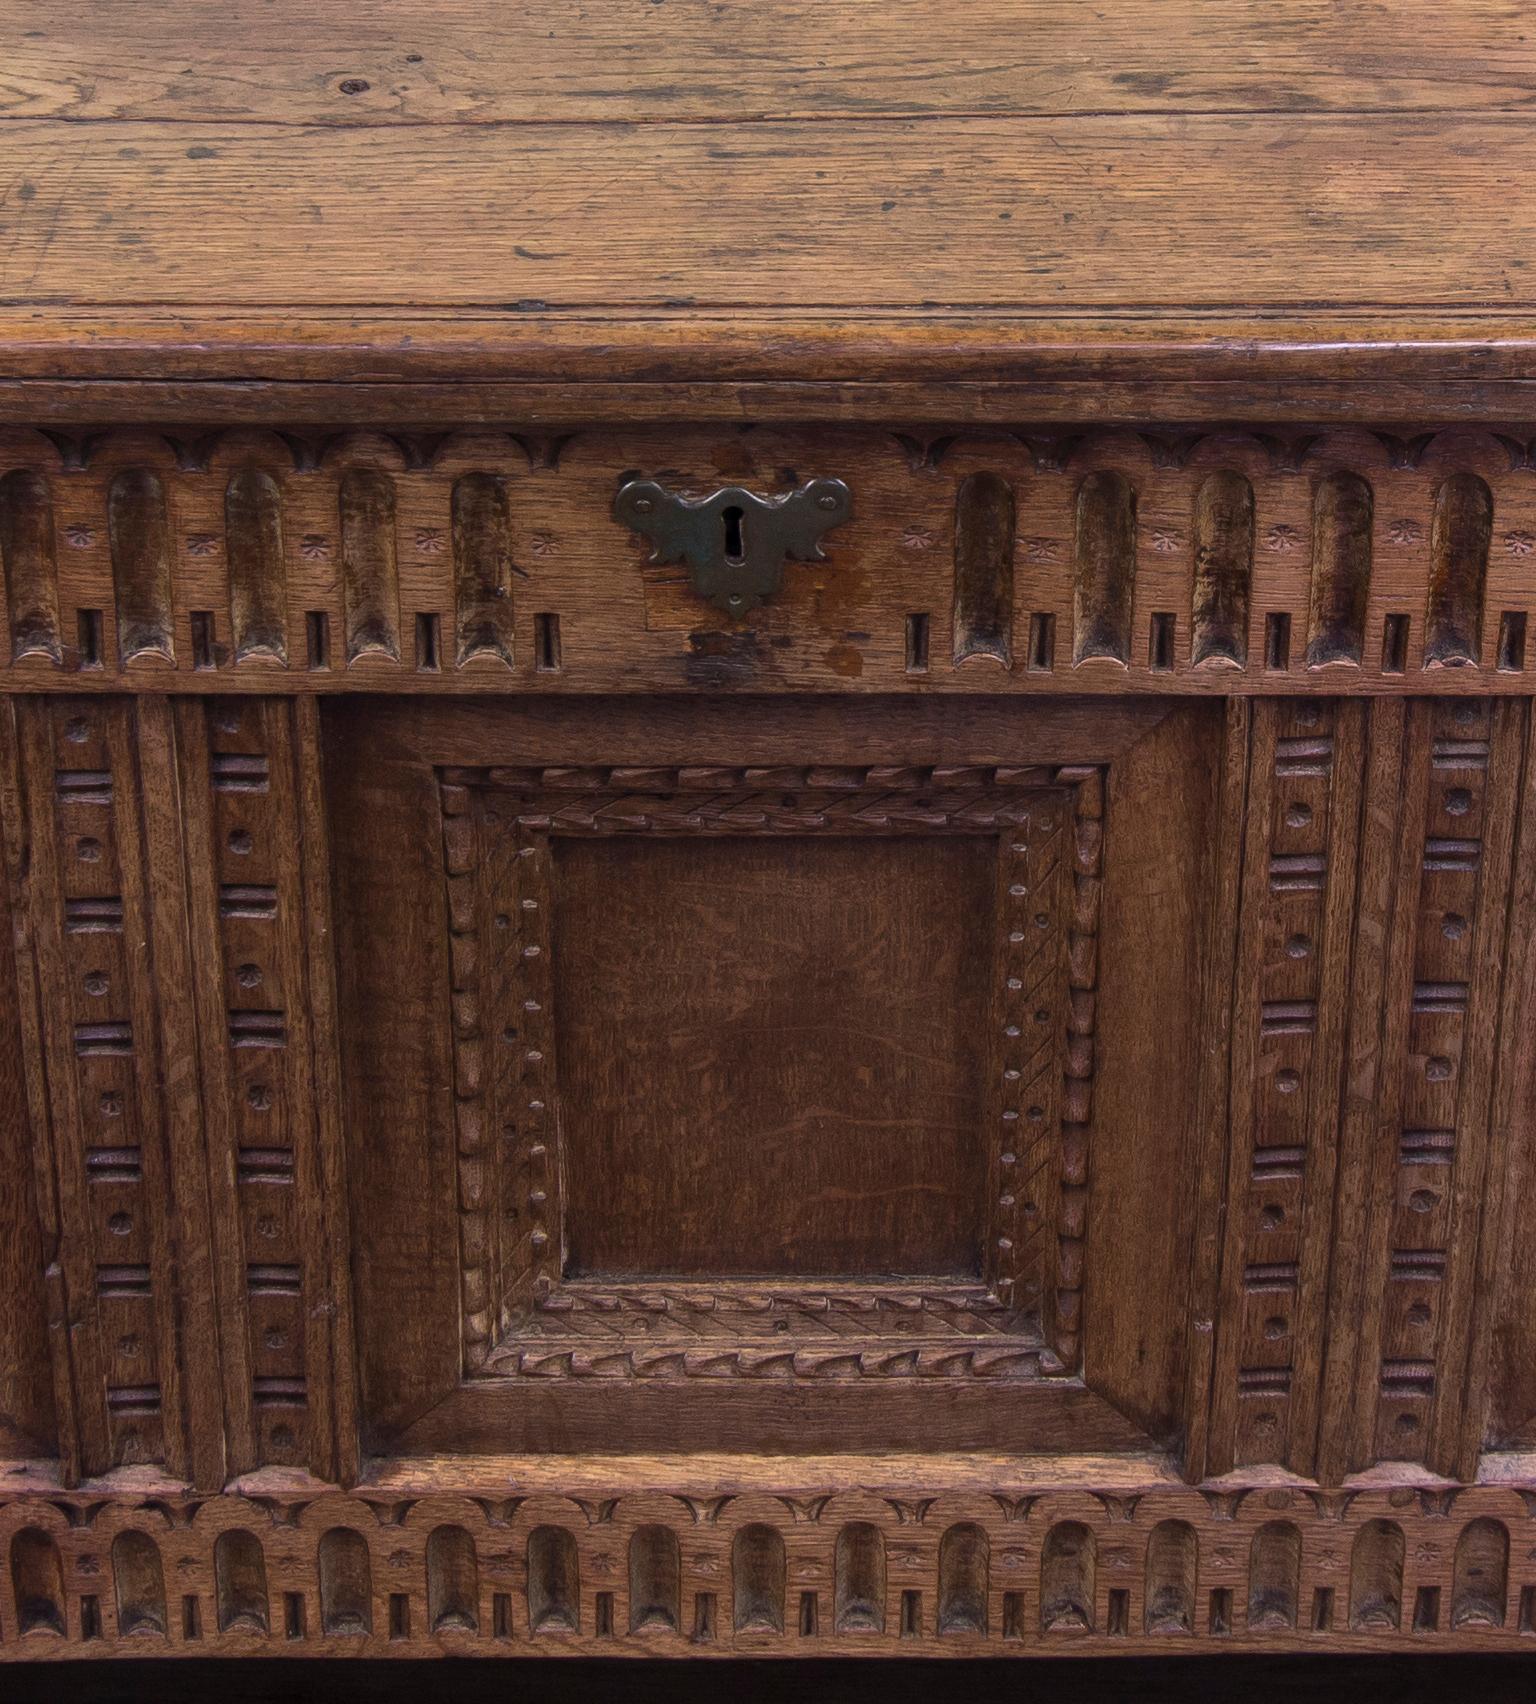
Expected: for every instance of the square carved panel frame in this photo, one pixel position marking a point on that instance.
(1035, 832)
(741, 1080)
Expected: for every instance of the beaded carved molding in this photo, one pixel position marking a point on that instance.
(522, 1317)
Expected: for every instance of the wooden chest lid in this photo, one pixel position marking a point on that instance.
(808, 189)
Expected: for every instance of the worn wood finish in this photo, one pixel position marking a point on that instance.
(982, 1108)
(1160, 560)
(630, 63)
(727, 1557)
(875, 214)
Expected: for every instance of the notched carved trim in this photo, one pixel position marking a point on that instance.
(806, 1563)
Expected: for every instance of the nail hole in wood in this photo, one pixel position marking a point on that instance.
(1277, 641)
(1426, 1609)
(1042, 643)
(546, 643)
(317, 638)
(88, 637)
(1394, 644)
(202, 639)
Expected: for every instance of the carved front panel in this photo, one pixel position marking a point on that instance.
(761, 1071)
(1129, 1089)
(705, 1094)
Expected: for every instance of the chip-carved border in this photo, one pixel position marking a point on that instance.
(521, 1318)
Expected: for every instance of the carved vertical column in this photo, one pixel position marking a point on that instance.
(266, 1043)
(1290, 1008)
(168, 879)
(1417, 1172)
(1364, 1133)
(100, 1091)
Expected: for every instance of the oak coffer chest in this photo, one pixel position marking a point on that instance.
(769, 828)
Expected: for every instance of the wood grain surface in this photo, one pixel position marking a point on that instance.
(641, 61)
(1228, 211)
(691, 160)
(982, 1108)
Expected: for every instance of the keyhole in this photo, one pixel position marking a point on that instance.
(735, 550)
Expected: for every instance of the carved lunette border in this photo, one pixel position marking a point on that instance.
(521, 1318)
(809, 1560)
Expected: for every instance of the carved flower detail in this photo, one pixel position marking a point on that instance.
(1520, 543)
(1167, 540)
(543, 544)
(429, 541)
(399, 1558)
(917, 538)
(1405, 532)
(1042, 549)
(88, 1565)
(314, 547)
(201, 544)
(1426, 1553)
(79, 535)
(1327, 1558)
(1281, 538)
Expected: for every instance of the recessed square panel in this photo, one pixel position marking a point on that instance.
(763, 1073)
(772, 1054)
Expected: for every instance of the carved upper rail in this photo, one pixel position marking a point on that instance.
(1098, 561)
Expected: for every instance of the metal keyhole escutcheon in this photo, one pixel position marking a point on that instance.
(734, 542)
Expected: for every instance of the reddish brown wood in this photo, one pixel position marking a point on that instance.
(980, 1108)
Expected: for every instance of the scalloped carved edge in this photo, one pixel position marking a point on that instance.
(804, 1566)
(388, 560)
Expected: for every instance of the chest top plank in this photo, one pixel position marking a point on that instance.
(1028, 161)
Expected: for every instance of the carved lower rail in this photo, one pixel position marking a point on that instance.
(609, 1569)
